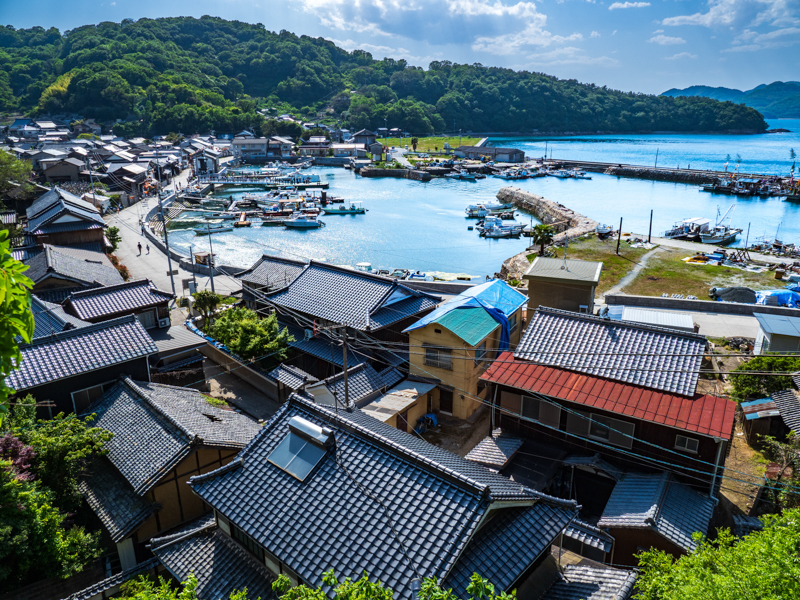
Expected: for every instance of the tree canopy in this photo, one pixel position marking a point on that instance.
(763, 375)
(250, 336)
(191, 75)
(762, 565)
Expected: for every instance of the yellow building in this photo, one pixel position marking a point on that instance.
(404, 405)
(455, 343)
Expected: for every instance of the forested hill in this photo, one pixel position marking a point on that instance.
(775, 100)
(192, 75)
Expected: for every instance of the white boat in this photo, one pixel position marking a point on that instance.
(560, 174)
(303, 221)
(721, 233)
(482, 210)
(577, 174)
(461, 174)
(497, 232)
(212, 229)
(688, 229)
(602, 230)
(494, 222)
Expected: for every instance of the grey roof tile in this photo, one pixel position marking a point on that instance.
(582, 582)
(495, 451)
(114, 299)
(503, 549)
(435, 499)
(50, 318)
(113, 500)
(57, 203)
(589, 535)
(391, 376)
(658, 502)
(319, 346)
(653, 357)
(363, 381)
(156, 426)
(84, 271)
(97, 589)
(292, 377)
(221, 565)
(76, 351)
(360, 300)
(272, 272)
(744, 525)
(788, 403)
(796, 379)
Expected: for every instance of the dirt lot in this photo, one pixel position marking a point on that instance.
(744, 469)
(457, 436)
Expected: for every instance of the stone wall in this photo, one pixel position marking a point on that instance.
(679, 176)
(398, 173)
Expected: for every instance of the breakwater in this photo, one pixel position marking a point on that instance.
(396, 173)
(567, 223)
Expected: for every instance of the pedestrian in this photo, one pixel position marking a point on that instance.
(140, 248)
(148, 248)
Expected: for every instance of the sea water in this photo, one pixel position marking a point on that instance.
(422, 226)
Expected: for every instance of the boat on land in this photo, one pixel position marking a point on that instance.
(722, 233)
(303, 221)
(688, 229)
(355, 208)
(212, 229)
(604, 230)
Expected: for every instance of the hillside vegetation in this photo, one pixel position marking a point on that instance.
(777, 100)
(191, 75)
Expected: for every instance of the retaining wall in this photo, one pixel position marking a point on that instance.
(679, 176)
(731, 308)
(397, 173)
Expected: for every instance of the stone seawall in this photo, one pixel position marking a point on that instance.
(674, 175)
(567, 223)
(398, 173)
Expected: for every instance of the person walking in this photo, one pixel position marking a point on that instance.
(140, 248)
(148, 248)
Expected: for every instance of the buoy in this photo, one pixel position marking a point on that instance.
(470, 228)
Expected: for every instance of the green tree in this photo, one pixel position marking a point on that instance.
(34, 543)
(16, 318)
(206, 302)
(542, 235)
(88, 136)
(250, 336)
(762, 565)
(414, 142)
(763, 375)
(13, 171)
(114, 237)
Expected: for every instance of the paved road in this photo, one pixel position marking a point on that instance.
(698, 247)
(154, 266)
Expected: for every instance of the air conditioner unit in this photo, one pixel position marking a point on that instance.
(308, 334)
(164, 322)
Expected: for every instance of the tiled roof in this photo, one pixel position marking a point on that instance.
(788, 403)
(434, 498)
(495, 451)
(56, 203)
(503, 549)
(653, 357)
(796, 379)
(83, 271)
(156, 426)
(559, 269)
(362, 381)
(292, 377)
(220, 565)
(583, 582)
(360, 300)
(113, 500)
(744, 525)
(391, 376)
(97, 589)
(595, 464)
(320, 346)
(658, 502)
(707, 415)
(50, 318)
(272, 272)
(589, 535)
(115, 299)
(65, 227)
(80, 350)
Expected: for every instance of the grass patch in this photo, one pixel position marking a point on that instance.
(614, 267)
(666, 273)
(436, 144)
(215, 401)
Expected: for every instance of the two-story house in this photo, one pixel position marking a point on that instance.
(58, 217)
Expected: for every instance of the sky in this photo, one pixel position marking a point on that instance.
(641, 46)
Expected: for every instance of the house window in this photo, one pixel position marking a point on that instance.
(512, 323)
(578, 423)
(249, 543)
(613, 431)
(541, 411)
(480, 354)
(83, 398)
(686, 444)
(441, 358)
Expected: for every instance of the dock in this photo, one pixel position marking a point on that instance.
(269, 184)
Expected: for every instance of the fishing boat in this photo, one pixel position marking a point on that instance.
(462, 174)
(208, 230)
(578, 174)
(303, 221)
(604, 230)
(688, 229)
(355, 208)
(489, 208)
(497, 232)
(560, 174)
(493, 222)
(721, 233)
(242, 222)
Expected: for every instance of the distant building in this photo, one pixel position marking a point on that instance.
(510, 155)
(315, 146)
(68, 169)
(777, 334)
(58, 217)
(365, 137)
(563, 284)
(261, 149)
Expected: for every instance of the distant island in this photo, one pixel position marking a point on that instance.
(778, 100)
(192, 75)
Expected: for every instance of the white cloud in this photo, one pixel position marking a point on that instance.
(383, 51)
(614, 32)
(617, 5)
(748, 48)
(659, 31)
(741, 13)
(595, 34)
(680, 56)
(665, 40)
(778, 38)
(570, 56)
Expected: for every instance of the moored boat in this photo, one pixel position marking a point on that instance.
(355, 208)
(303, 221)
(208, 230)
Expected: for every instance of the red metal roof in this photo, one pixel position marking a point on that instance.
(708, 415)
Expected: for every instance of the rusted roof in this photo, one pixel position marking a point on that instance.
(707, 415)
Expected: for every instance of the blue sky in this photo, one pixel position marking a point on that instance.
(644, 46)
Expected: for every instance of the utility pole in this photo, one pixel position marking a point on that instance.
(619, 235)
(211, 257)
(650, 231)
(191, 261)
(656, 165)
(344, 363)
(747, 239)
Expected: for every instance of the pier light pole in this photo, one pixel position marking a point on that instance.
(211, 257)
(619, 235)
(650, 231)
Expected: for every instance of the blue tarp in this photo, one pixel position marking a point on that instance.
(784, 297)
(466, 302)
(497, 293)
